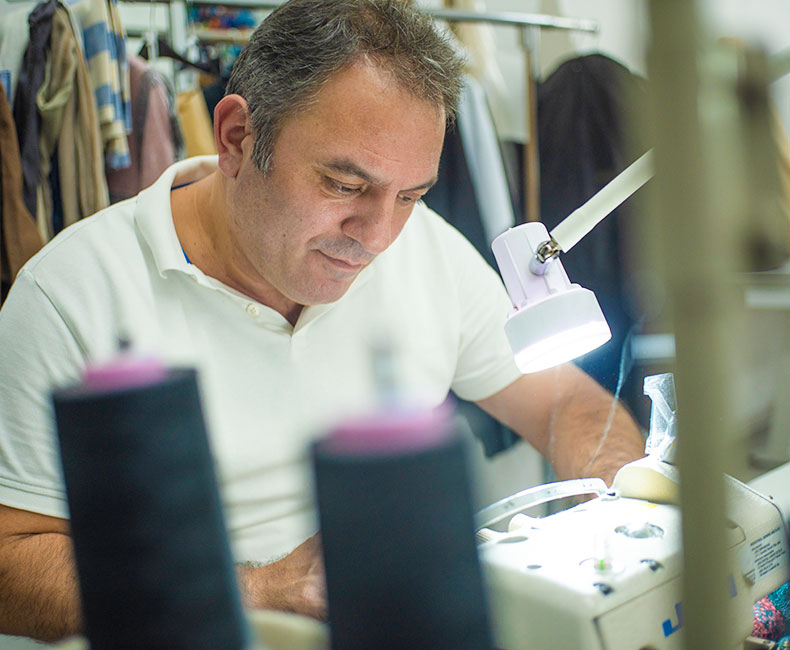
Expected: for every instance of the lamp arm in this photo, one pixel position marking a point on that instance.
(578, 223)
(555, 321)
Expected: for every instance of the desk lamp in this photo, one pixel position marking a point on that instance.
(555, 321)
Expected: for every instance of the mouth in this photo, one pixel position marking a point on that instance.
(343, 265)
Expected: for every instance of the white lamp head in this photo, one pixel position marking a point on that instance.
(554, 321)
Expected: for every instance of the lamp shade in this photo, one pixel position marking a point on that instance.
(554, 321)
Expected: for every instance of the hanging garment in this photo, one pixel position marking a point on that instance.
(582, 109)
(19, 237)
(453, 196)
(472, 191)
(155, 139)
(101, 37)
(13, 42)
(195, 123)
(26, 118)
(484, 158)
(69, 128)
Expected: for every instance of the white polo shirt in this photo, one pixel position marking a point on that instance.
(267, 388)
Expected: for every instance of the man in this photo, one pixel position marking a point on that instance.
(274, 270)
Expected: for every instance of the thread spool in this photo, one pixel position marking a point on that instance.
(398, 535)
(151, 548)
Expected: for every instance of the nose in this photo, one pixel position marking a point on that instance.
(373, 224)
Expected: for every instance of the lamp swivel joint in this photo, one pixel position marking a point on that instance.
(547, 252)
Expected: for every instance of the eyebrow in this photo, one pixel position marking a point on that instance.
(344, 166)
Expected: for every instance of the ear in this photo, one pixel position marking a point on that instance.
(231, 128)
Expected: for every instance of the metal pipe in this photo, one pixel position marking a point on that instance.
(451, 15)
(515, 18)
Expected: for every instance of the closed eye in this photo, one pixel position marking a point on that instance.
(409, 199)
(342, 189)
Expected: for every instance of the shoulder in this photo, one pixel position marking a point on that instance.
(103, 238)
(87, 277)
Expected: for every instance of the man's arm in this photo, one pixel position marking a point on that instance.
(295, 583)
(38, 584)
(39, 596)
(571, 420)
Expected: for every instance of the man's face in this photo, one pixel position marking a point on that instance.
(344, 178)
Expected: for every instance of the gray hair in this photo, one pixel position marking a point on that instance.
(293, 53)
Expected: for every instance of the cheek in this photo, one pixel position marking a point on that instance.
(320, 218)
(285, 213)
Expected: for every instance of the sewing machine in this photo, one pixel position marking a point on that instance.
(606, 573)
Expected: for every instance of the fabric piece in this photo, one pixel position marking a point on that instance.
(195, 123)
(152, 141)
(269, 388)
(768, 621)
(31, 76)
(103, 44)
(771, 614)
(19, 237)
(69, 125)
(14, 35)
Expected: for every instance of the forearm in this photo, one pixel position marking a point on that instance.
(592, 434)
(270, 587)
(252, 584)
(294, 583)
(39, 596)
(571, 420)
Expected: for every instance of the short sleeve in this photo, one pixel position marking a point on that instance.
(37, 354)
(485, 361)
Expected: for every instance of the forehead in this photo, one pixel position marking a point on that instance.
(362, 113)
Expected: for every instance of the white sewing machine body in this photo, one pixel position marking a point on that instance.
(606, 574)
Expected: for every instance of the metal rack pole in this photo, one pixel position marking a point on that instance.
(512, 18)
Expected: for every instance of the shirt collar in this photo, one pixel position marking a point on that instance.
(154, 218)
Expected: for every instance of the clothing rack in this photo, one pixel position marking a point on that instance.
(528, 24)
(513, 18)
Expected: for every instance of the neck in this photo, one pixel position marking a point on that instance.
(199, 216)
(189, 205)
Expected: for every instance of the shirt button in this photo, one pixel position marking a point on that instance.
(252, 309)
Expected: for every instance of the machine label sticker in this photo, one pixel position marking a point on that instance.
(769, 552)
(670, 628)
(667, 625)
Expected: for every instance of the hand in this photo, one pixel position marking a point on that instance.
(296, 583)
